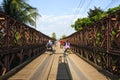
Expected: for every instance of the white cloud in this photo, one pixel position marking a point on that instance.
(52, 18)
(61, 25)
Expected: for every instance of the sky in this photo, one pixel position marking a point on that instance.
(58, 15)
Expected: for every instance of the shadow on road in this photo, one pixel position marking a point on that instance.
(63, 72)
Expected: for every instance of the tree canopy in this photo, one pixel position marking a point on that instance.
(111, 10)
(20, 10)
(54, 35)
(93, 16)
(63, 36)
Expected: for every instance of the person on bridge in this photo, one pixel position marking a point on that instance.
(49, 45)
(61, 43)
(67, 47)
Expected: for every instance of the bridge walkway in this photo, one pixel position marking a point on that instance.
(54, 66)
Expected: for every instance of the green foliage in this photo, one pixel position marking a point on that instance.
(103, 27)
(81, 23)
(93, 16)
(17, 36)
(98, 37)
(98, 34)
(63, 36)
(113, 33)
(20, 10)
(111, 10)
(94, 12)
(54, 36)
(97, 17)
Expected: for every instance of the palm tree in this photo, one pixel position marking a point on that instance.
(20, 10)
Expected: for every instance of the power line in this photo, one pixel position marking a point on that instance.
(112, 1)
(84, 9)
(87, 6)
(77, 11)
(89, 3)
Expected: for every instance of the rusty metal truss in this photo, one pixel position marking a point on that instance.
(99, 43)
(18, 43)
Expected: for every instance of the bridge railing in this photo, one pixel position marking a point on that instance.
(99, 43)
(18, 43)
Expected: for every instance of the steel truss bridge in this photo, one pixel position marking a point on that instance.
(97, 44)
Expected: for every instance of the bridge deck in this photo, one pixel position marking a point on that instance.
(57, 67)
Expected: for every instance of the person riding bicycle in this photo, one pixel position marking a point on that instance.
(66, 46)
(49, 45)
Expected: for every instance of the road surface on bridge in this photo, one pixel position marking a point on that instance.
(57, 67)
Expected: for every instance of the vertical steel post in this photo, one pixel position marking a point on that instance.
(108, 34)
(6, 64)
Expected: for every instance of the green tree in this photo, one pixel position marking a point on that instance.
(20, 10)
(80, 23)
(54, 36)
(111, 10)
(96, 14)
(63, 36)
(93, 16)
